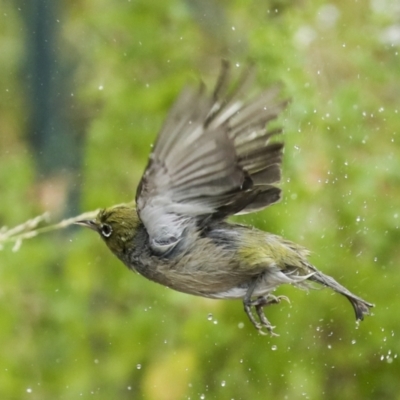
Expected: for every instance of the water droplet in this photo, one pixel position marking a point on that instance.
(210, 317)
(353, 341)
(28, 390)
(139, 366)
(223, 383)
(274, 347)
(202, 396)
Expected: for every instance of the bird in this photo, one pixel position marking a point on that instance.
(215, 156)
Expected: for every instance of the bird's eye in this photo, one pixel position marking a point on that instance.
(106, 230)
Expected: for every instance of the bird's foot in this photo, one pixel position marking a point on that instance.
(270, 299)
(259, 303)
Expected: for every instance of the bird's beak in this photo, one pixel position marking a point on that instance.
(88, 223)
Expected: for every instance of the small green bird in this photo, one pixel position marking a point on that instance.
(214, 158)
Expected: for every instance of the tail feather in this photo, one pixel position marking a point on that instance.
(361, 307)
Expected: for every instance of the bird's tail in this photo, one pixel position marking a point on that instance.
(361, 307)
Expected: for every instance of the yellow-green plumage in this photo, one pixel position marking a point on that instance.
(258, 248)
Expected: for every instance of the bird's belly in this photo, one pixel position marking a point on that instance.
(239, 293)
(234, 293)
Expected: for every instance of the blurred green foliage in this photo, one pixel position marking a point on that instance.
(75, 323)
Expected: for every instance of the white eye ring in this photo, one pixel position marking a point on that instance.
(106, 230)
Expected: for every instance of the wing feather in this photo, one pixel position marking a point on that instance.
(213, 158)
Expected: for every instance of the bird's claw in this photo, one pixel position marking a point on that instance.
(271, 299)
(259, 304)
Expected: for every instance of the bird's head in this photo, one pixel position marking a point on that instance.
(116, 225)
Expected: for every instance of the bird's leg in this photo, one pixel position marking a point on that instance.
(247, 309)
(259, 303)
(248, 303)
(264, 301)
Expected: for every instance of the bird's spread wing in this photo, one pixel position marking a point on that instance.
(213, 158)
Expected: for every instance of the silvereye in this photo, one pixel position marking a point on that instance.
(214, 157)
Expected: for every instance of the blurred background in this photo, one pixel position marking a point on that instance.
(84, 88)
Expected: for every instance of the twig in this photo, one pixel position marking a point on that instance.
(29, 229)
